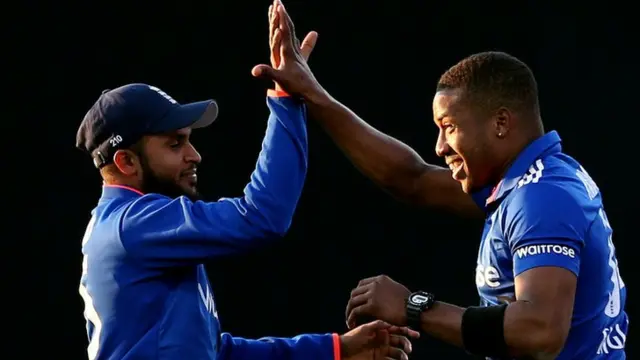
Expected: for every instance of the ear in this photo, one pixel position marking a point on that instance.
(127, 162)
(502, 122)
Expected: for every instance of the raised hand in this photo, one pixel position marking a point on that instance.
(275, 37)
(289, 69)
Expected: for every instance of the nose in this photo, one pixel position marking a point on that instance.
(442, 147)
(192, 155)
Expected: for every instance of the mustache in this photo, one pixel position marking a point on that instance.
(191, 170)
(452, 158)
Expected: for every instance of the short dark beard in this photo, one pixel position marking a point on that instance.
(152, 183)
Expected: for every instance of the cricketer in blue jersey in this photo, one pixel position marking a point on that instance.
(547, 273)
(146, 292)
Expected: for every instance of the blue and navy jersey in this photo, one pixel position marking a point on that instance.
(547, 211)
(146, 292)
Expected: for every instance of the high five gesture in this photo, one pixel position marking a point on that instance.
(289, 69)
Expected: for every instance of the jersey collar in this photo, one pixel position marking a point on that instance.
(118, 191)
(543, 146)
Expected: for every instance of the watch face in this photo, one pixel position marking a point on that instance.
(419, 299)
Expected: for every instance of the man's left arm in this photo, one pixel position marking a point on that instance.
(302, 347)
(544, 226)
(546, 235)
(376, 340)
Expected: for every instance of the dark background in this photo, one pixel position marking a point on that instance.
(380, 58)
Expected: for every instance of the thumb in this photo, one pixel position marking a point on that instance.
(263, 71)
(308, 44)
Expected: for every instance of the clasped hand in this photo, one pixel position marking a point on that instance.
(378, 297)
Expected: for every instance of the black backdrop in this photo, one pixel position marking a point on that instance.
(380, 58)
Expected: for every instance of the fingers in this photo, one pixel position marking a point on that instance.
(308, 44)
(376, 325)
(271, 25)
(288, 37)
(405, 331)
(360, 289)
(274, 24)
(359, 297)
(292, 28)
(356, 313)
(397, 354)
(367, 281)
(290, 45)
(401, 342)
(277, 38)
(275, 48)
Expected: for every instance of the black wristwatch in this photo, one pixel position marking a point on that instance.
(417, 303)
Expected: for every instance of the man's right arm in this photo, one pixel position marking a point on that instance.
(388, 162)
(168, 232)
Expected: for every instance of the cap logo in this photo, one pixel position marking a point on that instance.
(163, 94)
(115, 140)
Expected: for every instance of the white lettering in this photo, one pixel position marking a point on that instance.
(488, 276)
(419, 299)
(614, 305)
(164, 94)
(532, 250)
(114, 141)
(207, 299)
(612, 341)
(587, 181)
(534, 174)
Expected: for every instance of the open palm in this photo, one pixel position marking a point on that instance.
(289, 68)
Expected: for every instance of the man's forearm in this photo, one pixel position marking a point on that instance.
(301, 347)
(276, 183)
(524, 332)
(390, 163)
(443, 321)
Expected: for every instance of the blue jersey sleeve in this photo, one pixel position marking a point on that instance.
(545, 225)
(302, 347)
(169, 232)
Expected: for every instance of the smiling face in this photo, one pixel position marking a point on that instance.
(169, 164)
(466, 139)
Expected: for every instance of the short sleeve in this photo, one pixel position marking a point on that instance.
(545, 225)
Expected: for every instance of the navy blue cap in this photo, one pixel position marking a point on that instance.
(122, 116)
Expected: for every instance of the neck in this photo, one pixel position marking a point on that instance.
(119, 182)
(514, 151)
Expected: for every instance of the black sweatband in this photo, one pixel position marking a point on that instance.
(483, 331)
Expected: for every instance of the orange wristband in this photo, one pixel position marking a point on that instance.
(336, 347)
(277, 93)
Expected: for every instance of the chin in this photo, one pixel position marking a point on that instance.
(192, 193)
(466, 186)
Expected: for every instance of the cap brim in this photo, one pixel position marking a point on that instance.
(204, 112)
(194, 115)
